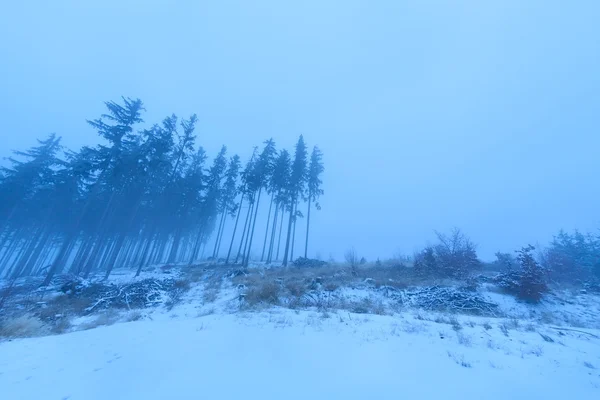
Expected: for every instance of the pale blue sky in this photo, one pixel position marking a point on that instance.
(479, 114)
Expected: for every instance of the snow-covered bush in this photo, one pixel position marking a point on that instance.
(573, 257)
(529, 281)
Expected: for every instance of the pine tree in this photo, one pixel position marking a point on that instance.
(142, 197)
(262, 172)
(315, 170)
(279, 183)
(295, 189)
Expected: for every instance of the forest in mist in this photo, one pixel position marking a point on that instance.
(151, 196)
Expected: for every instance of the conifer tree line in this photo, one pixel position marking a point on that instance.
(150, 196)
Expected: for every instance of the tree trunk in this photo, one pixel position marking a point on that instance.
(115, 252)
(61, 258)
(307, 228)
(174, 247)
(280, 230)
(293, 245)
(244, 232)
(219, 239)
(289, 233)
(219, 232)
(253, 227)
(237, 219)
(273, 232)
(36, 254)
(262, 257)
(144, 254)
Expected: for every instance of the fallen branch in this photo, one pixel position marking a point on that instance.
(574, 330)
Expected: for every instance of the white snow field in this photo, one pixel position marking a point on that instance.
(284, 354)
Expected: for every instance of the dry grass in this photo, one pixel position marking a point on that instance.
(23, 326)
(267, 293)
(107, 318)
(212, 287)
(463, 339)
(330, 277)
(459, 359)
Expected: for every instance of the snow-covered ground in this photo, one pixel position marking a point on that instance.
(281, 354)
(214, 349)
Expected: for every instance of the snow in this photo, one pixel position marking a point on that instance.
(283, 354)
(218, 349)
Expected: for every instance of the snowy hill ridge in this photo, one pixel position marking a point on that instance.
(219, 332)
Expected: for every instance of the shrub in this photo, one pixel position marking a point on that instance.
(267, 293)
(308, 262)
(351, 257)
(453, 257)
(573, 257)
(528, 282)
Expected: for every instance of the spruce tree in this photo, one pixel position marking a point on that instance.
(295, 188)
(314, 190)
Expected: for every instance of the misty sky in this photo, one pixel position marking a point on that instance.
(431, 114)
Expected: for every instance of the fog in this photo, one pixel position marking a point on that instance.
(430, 114)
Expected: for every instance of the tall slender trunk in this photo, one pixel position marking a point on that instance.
(243, 232)
(248, 233)
(220, 238)
(175, 247)
(219, 232)
(44, 258)
(144, 254)
(289, 233)
(247, 260)
(41, 245)
(280, 230)
(262, 257)
(237, 219)
(294, 232)
(99, 248)
(83, 253)
(18, 268)
(273, 232)
(12, 247)
(23, 251)
(307, 228)
(61, 258)
(114, 254)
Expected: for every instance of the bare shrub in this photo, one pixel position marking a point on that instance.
(455, 324)
(351, 257)
(22, 326)
(464, 339)
(487, 326)
(267, 293)
(459, 359)
(295, 288)
(454, 256)
(209, 295)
